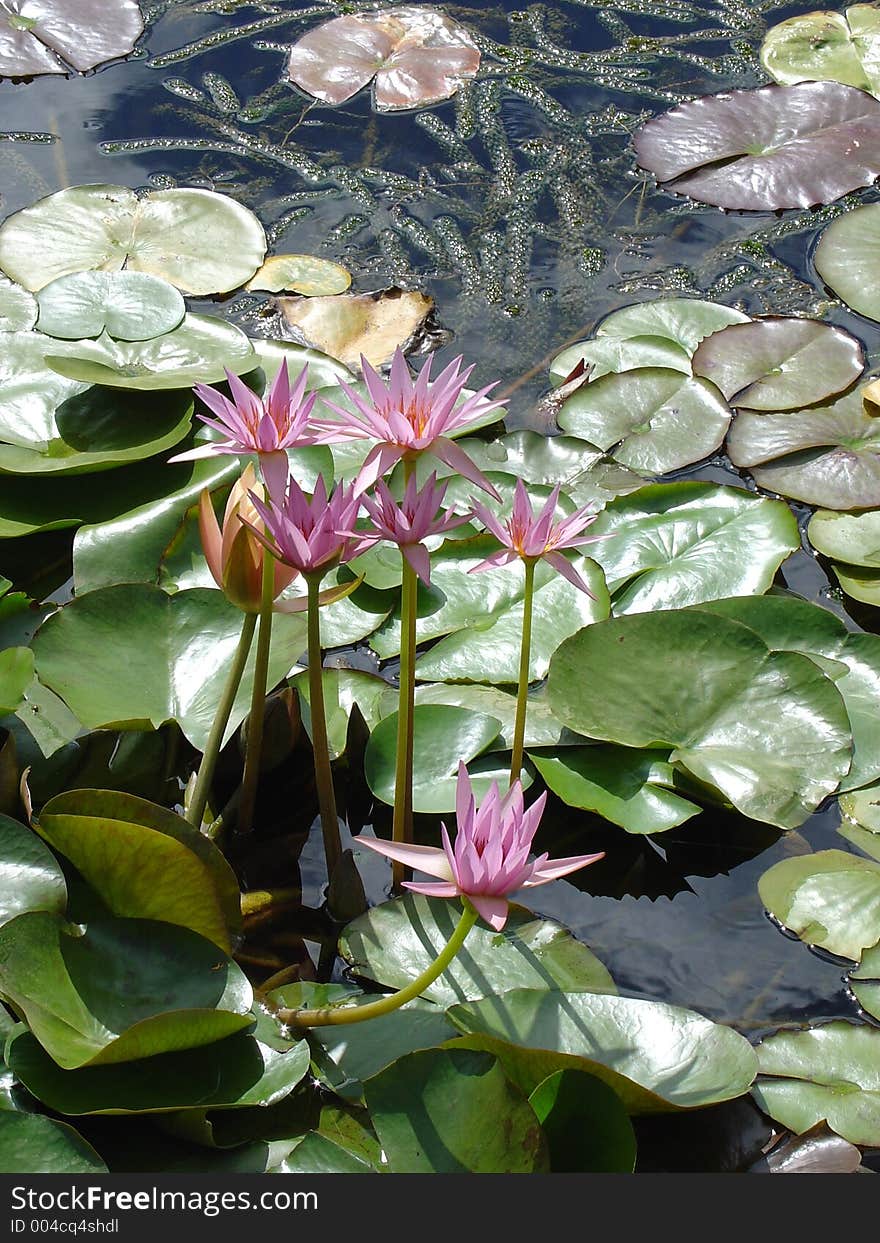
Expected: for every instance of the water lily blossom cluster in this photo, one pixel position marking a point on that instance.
(408, 523)
(489, 859)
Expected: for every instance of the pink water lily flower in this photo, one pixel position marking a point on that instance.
(490, 857)
(304, 532)
(529, 538)
(250, 424)
(408, 417)
(408, 523)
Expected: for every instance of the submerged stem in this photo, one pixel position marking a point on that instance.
(522, 690)
(402, 819)
(221, 719)
(323, 773)
(332, 1015)
(258, 700)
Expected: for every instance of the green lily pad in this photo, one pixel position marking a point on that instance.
(651, 419)
(673, 544)
(686, 321)
(316, 1154)
(16, 675)
(200, 350)
(343, 688)
(863, 807)
(396, 941)
(542, 727)
(30, 878)
(827, 1074)
(587, 1128)
(441, 737)
(864, 982)
(828, 456)
(609, 355)
(32, 1144)
(780, 362)
(153, 658)
(823, 46)
(198, 240)
(853, 538)
(30, 392)
(453, 1111)
(829, 898)
(305, 274)
(18, 308)
(658, 1058)
(848, 252)
(768, 729)
(121, 990)
(130, 306)
(324, 371)
(861, 584)
(145, 862)
(632, 788)
(233, 1073)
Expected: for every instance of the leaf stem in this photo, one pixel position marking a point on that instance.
(522, 690)
(323, 773)
(403, 779)
(258, 700)
(199, 800)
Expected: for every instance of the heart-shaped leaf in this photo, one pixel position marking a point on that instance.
(686, 321)
(30, 878)
(611, 355)
(847, 254)
(830, 899)
(823, 46)
(32, 1144)
(130, 306)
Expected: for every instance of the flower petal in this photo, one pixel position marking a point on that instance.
(554, 868)
(493, 910)
(423, 858)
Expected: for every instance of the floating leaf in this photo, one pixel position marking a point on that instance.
(16, 674)
(864, 982)
(394, 942)
(768, 729)
(122, 989)
(316, 1154)
(233, 1073)
(153, 657)
(632, 788)
(673, 544)
(686, 321)
(453, 1111)
(658, 1058)
(43, 36)
(145, 862)
(30, 878)
(853, 538)
(130, 306)
(765, 149)
(652, 419)
(826, 46)
(829, 898)
(542, 727)
(827, 456)
(18, 308)
(859, 583)
(200, 241)
(343, 688)
(610, 355)
(32, 1144)
(418, 57)
(348, 325)
(863, 807)
(847, 255)
(829, 1073)
(305, 274)
(780, 362)
(587, 1128)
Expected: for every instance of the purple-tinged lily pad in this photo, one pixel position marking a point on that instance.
(51, 36)
(828, 456)
(771, 148)
(417, 55)
(779, 362)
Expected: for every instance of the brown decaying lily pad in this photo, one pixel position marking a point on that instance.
(766, 149)
(51, 36)
(418, 56)
(348, 325)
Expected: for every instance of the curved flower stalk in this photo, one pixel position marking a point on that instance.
(488, 861)
(314, 535)
(406, 525)
(530, 539)
(409, 417)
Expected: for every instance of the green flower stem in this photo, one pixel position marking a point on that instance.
(522, 691)
(333, 1015)
(403, 811)
(199, 800)
(258, 700)
(323, 773)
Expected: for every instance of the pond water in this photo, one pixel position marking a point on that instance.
(517, 206)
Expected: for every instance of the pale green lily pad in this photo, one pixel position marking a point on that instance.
(18, 308)
(851, 538)
(658, 1058)
(200, 350)
(823, 46)
(129, 306)
(30, 392)
(686, 321)
(33, 1144)
(864, 982)
(324, 371)
(863, 807)
(651, 419)
(829, 1073)
(154, 657)
(861, 584)
(198, 240)
(829, 898)
(609, 355)
(632, 788)
(780, 362)
(673, 544)
(121, 990)
(305, 274)
(847, 257)
(396, 941)
(767, 729)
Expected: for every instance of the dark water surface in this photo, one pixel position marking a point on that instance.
(518, 207)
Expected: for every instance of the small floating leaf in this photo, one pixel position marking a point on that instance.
(829, 898)
(823, 46)
(130, 306)
(847, 256)
(686, 321)
(348, 325)
(305, 274)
